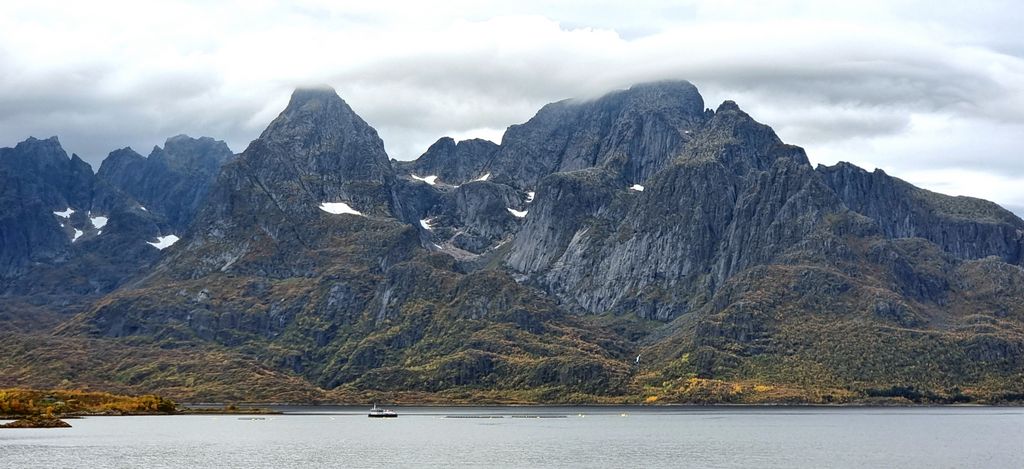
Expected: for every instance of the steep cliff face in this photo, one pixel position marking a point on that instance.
(173, 181)
(566, 205)
(966, 227)
(451, 163)
(635, 132)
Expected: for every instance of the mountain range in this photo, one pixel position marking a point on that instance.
(636, 247)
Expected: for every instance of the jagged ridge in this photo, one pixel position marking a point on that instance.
(755, 268)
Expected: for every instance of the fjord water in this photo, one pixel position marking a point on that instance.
(584, 437)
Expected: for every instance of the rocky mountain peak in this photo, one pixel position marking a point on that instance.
(119, 157)
(314, 95)
(317, 165)
(452, 162)
(41, 170)
(443, 144)
(54, 225)
(739, 142)
(728, 106)
(186, 151)
(314, 107)
(50, 142)
(198, 159)
(635, 132)
(80, 164)
(37, 153)
(677, 96)
(173, 181)
(318, 149)
(965, 227)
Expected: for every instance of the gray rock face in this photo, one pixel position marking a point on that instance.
(173, 181)
(566, 205)
(735, 197)
(474, 216)
(966, 227)
(453, 163)
(417, 198)
(782, 208)
(635, 132)
(737, 141)
(465, 220)
(340, 298)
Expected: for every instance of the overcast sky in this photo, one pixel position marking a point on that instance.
(930, 92)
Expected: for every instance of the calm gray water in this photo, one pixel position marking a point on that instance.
(967, 437)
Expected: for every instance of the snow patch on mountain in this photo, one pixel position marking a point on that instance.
(339, 208)
(427, 179)
(163, 242)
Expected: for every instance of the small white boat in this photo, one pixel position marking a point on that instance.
(377, 412)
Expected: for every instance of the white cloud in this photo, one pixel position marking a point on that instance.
(909, 86)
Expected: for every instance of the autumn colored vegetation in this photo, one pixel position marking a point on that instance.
(25, 402)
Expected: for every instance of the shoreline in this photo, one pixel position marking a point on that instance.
(243, 406)
(358, 409)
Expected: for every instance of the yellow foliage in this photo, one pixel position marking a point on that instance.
(651, 400)
(762, 388)
(13, 402)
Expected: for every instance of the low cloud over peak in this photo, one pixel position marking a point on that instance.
(932, 95)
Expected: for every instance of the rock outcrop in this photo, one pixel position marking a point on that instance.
(965, 227)
(60, 236)
(37, 422)
(450, 162)
(475, 216)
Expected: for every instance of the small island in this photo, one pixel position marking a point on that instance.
(37, 421)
